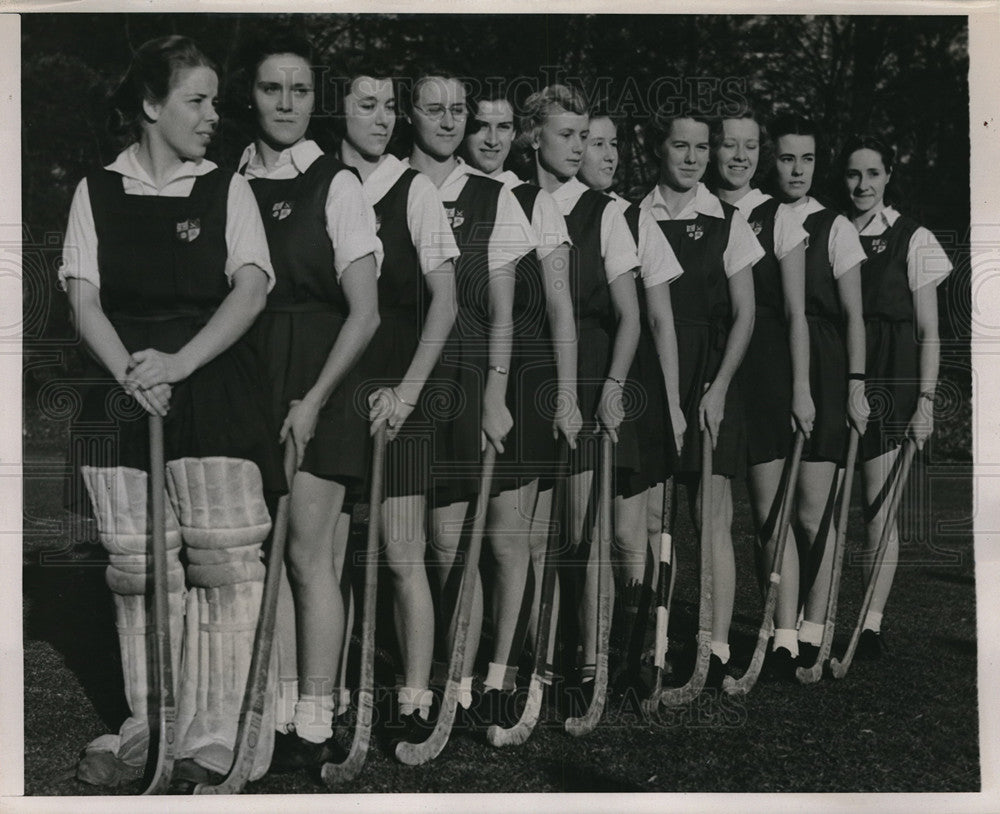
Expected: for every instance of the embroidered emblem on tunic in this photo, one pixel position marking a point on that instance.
(281, 210)
(695, 231)
(456, 217)
(879, 245)
(378, 223)
(757, 227)
(188, 230)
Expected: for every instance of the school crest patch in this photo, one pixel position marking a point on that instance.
(695, 231)
(282, 209)
(456, 217)
(757, 226)
(188, 230)
(378, 223)
(879, 245)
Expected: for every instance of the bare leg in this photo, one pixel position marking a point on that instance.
(403, 530)
(450, 526)
(341, 536)
(817, 522)
(509, 528)
(876, 474)
(539, 543)
(723, 559)
(319, 610)
(767, 490)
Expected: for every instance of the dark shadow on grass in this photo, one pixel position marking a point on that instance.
(948, 576)
(963, 647)
(588, 779)
(69, 607)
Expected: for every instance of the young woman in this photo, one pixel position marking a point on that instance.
(899, 283)
(417, 307)
(713, 315)
(318, 321)
(492, 235)
(836, 376)
(166, 267)
(656, 411)
(542, 395)
(554, 127)
(775, 369)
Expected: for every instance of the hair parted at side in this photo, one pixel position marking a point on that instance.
(150, 77)
(793, 124)
(422, 75)
(662, 121)
(867, 141)
(538, 106)
(352, 63)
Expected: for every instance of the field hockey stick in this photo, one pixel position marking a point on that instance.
(664, 597)
(163, 672)
(743, 684)
(255, 698)
(812, 674)
(414, 754)
(334, 773)
(675, 696)
(585, 724)
(521, 731)
(839, 668)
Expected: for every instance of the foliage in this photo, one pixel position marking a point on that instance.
(904, 78)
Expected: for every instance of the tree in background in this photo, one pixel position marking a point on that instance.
(903, 77)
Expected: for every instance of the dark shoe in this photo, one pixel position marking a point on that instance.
(501, 708)
(871, 646)
(106, 769)
(188, 774)
(779, 665)
(808, 653)
(415, 729)
(292, 753)
(717, 672)
(580, 698)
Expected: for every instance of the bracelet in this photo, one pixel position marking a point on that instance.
(501, 370)
(856, 377)
(401, 399)
(619, 382)
(930, 395)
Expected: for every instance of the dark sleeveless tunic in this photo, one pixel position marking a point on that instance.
(646, 397)
(893, 353)
(304, 314)
(766, 371)
(596, 326)
(827, 345)
(162, 274)
(532, 391)
(702, 315)
(454, 395)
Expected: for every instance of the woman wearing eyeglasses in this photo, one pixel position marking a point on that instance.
(417, 307)
(468, 405)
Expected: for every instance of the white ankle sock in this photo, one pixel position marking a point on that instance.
(495, 675)
(313, 719)
(465, 692)
(788, 638)
(873, 621)
(414, 699)
(721, 649)
(343, 696)
(811, 633)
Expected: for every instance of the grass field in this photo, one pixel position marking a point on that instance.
(908, 723)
